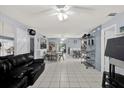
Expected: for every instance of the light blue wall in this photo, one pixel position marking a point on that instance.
(56, 40)
(96, 32)
(98, 48)
(69, 42)
(118, 20)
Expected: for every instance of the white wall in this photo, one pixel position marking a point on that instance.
(12, 28)
(6, 29)
(38, 52)
(22, 41)
(1, 28)
(6, 37)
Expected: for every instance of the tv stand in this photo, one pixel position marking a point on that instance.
(115, 52)
(112, 79)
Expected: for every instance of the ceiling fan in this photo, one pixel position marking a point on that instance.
(64, 11)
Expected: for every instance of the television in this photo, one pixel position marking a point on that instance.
(115, 48)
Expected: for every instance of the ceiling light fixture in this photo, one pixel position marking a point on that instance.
(61, 42)
(62, 16)
(61, 12)
(62, 39)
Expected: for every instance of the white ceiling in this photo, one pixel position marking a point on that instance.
(83, 20)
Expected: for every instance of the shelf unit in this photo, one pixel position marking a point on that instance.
(88, 50)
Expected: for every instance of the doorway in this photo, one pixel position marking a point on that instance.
(32, 46)
(62, 47)
(69, 50)
(108, 33)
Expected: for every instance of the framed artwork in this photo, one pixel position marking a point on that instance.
(43, 44)
(52, 46)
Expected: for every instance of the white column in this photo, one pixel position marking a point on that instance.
(22, 41)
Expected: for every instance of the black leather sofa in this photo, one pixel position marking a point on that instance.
(19, 71)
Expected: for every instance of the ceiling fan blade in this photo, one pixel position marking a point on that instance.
(44, 11)
(83, 8)
(69, 12)
(53, 14)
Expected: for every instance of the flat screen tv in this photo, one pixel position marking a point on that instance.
(115, 48)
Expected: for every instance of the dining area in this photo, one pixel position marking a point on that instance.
(54, 56)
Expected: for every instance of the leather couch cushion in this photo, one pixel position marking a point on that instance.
(29, 57)
(14, 83)
(39, 61)
(36, 67)
(28, 64)
(21, 83)
(20, 60)
(20, 72)
(5, 57)
(5, 66)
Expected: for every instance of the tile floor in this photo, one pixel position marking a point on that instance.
(69, 73)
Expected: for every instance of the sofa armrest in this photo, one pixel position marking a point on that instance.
(28, 64)
(20, 72)
(38, 60)
(30, 69)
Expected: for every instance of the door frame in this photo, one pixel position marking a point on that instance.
(64, 45)
(32, 40)
(103, 44)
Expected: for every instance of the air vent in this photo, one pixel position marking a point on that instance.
(112, 14)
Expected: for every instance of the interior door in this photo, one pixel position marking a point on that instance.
(108, 33)
(32, 46)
